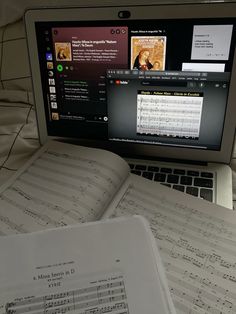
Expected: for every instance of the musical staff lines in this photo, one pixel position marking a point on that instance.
(60, 189)
(96, 298)
(76, 162)
(169, 115)
(198, 251)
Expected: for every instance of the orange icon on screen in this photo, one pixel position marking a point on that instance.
(63, 51)
(55, 116)
(49, 65)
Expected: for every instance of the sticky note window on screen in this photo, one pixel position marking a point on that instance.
(211, 42)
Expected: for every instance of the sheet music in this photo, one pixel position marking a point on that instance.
(64, 184)
(197, 244)
(94, 295)
(169, 113)
(90, 268)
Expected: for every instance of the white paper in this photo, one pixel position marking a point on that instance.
(211, 42)
(103, 267)
(205, 67)
(196, 241)
(61, 185)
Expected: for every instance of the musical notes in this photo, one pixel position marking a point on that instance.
(62, 186)
(198, 248)
(169, 115)
(96, 298)
(101, 267)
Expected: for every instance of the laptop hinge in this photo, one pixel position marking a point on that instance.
(170, 160)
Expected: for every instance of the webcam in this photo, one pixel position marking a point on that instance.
(124, 14)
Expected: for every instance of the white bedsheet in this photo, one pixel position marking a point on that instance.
(18, 131)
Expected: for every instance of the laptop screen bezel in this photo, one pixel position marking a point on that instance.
(181, 11)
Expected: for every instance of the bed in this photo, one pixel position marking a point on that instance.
(18, 128)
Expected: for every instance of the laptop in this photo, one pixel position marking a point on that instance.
(153, 83)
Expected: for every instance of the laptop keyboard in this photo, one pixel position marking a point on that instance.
(196, 183)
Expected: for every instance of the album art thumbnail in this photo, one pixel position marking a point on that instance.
(55, 116)
(63, 51)
(148, 53)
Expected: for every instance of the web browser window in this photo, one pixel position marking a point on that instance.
(167, 108)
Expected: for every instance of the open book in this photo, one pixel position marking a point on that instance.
(108, 266)
(64, 184)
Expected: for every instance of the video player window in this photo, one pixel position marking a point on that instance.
(74, 58)
(167, 108)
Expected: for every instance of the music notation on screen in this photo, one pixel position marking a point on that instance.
(169, 115)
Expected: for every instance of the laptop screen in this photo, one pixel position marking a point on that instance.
(167, 83)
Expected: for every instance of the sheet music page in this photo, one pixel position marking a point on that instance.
(63, 184)
(90, 268)
(196, 241)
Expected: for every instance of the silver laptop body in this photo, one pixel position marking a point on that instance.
(71, 49)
